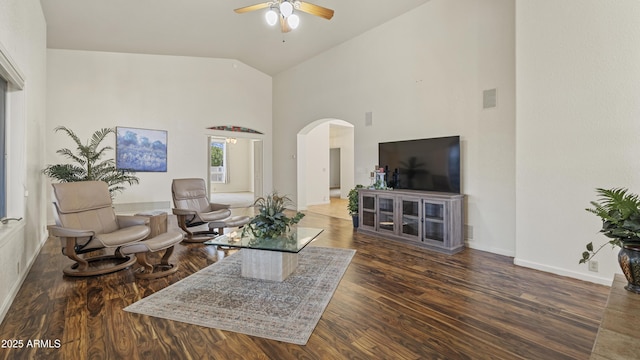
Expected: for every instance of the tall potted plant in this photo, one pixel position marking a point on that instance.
(87, 163)
(352, 205)
(620, 214)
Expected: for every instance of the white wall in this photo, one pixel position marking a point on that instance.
(578, 123)
(317, 165)
(23, 37)
(183, 95)
(421, 75)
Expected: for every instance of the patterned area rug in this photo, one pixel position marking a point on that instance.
(219, 297)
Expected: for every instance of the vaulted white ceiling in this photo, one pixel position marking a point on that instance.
(210, 28)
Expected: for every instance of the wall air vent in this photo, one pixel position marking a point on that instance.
(489, 98)
(368, 118)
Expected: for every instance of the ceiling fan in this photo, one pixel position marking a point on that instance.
(284, 11)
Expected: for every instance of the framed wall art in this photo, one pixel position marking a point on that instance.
(143, 150)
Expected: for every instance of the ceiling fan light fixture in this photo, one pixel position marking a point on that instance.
(286, 9)
(286, 12)
(272, 17)
(293, 20)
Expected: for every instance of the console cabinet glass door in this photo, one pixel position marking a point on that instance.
(410, 213)
(434, 221)
(368, 216)
(386, 214)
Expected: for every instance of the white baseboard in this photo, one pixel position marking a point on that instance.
(563, 272)
(474, 245)
(8, 301)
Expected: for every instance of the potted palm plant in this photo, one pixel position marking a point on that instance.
(620, 213)
(352, 205)
(87, 163)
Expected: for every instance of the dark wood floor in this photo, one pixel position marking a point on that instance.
(394, 302)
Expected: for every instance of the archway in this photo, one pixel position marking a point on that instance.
(314, 142)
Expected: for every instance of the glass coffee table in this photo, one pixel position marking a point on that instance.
(268, 259)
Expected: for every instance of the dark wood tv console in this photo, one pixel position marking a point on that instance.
(430, 219)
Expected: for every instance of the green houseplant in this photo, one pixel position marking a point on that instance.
(271, 221)
(88, 164)
(619, 211)
(352, 205)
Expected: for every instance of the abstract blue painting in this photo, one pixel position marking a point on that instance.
(142, 150)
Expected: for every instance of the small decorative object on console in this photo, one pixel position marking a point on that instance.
(378, 181)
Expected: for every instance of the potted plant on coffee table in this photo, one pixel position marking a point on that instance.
(620, 213)
(352, 206)
(272, 222)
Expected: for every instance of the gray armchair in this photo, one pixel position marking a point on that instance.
(193, 209)
(86, 222)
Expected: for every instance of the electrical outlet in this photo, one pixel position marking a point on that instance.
(593, 266)
(468, 231)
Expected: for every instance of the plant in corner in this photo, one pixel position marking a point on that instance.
(271, 221)
(620, 213)
(352, 205)
(88, 164)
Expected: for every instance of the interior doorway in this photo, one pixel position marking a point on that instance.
(314, 164)
(235, 170)
(334, 172)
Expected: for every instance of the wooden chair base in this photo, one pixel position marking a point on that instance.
(159, 270)
(152, 271)
(121, 263)
(198, 237)
(192, 236)
(215, 228)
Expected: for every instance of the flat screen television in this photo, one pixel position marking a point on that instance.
(424, 164)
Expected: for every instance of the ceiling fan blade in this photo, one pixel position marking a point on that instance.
(284, 26)
(316, 10)
(252, 7)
